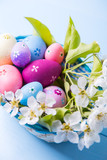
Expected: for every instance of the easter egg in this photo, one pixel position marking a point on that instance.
(55, 52)
(20, 54)
(7, 41)
(37, 47)
(10, 78)
(58, 94)
(30, 89)
(43, 71)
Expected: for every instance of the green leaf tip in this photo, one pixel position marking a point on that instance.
(42, 30)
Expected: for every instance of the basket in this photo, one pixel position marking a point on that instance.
(37, 129)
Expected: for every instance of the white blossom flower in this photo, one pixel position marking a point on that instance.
(46, 103)
(97, 120)
(89, 137)
(13, 101)
(102, 101)
(67, 129)
(82, 95)
(30, 114)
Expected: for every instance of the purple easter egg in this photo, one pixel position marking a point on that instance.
(43, 71)
(20, 54)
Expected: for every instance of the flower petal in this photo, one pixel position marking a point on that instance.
(83, 125)
(91, 91)
(23, 121)
(50, 111)
(82, 81)
(73, 137)
(9, 96)
(41, 97)
(50, 101)
(60, 137)
(75, 118)
(33, 121)
(7, 107)
(76, 127)
(18, 95)
(67, 118)
(24, 111)
(74, 88)
(14, 112)
(32, 103)
(81, 144)
(56, 126)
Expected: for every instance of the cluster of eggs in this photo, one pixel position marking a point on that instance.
(32, 63)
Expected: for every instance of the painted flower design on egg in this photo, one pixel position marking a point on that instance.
(34, 68)
(32, 90)
(16, 54)
(37, 52)
(3, 72)
(58, 92)
(53, 78)
(63, 101)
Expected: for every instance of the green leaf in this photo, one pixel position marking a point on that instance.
(60, 113)
(82, 51)
(42, 30)
(97, 67)
(98, 94)
(35, 33)
(72, 38)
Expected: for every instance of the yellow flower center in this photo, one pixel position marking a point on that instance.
(99, 116)
(6, 36)
(66, 127)
(32, 114)
(88, 130)
(43, 107)
(15, 103)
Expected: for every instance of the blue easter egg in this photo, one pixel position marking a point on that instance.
(37, 47)
(30, 89)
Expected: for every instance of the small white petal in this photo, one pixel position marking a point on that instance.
(18, 95)
(50, 101)
(7, 107)
(81, 144)
(67, 118)
(41, 97)
(77, 127)
(74, 89)
(82, 100)
(33, 121)
(56, 126)
(75, 118)
(32, 103)
(60, 137)
(83, 125)
(9, 95)
(23, 121)
(82, 81)
(14, 112)
(72, 137)
(50, 111)
(91, 91)
(100, 81)
(24, 111)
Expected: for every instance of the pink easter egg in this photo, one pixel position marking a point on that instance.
(58, 94)
(43, 71)
(55, 52)
(10, 78)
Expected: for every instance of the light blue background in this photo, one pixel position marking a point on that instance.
(90, 18)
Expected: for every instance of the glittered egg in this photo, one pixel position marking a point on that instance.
(30, 89)
(37, 47)
(7, 41)
(55, 52)
(10, 78)
(43, 71)
(20, 54)
(58, 94)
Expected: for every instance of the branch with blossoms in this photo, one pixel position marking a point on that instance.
(84, 116)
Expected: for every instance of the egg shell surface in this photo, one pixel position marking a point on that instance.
(58, 94)
(37, 47)
(55, 52)
(10, 78)
(20, 54)
(30, 89)
(43, 71)
(7, 41)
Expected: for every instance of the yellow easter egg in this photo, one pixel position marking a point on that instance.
(7, 41)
